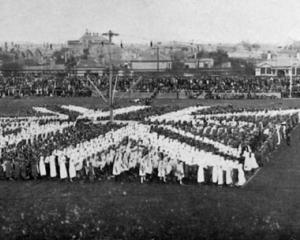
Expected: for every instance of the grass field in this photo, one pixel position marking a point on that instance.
(12, 106)
(268, 207)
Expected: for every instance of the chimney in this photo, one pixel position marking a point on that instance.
(269, 56)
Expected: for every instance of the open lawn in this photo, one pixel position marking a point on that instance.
(268, 207)
(12, 106)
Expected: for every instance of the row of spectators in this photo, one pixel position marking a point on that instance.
(43, 85)
(63, 85)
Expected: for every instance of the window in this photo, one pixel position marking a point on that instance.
(293, 71)
(262, 70)
(268, 70)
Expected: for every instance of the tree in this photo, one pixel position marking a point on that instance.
(6, 57)
(177, 61)
(9, 68)
(202, 54)
(86, 53)
(247, 66)
(59, 56)
(70, 63)
(220, 56)
(177, 66)
(255, 46)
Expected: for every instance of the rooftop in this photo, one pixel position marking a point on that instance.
(280, 62)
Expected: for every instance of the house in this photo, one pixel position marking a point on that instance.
(150, 65)
(191, 64)
(91, 41)
(151, 61)
(279, 66)
(206, 63)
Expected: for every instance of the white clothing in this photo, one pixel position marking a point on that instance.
(62, 168)
(42, 166)
(72, 170)
(53, 172)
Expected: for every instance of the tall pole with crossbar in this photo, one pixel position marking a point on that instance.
(110, 35)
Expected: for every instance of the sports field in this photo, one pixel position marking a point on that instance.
(266, 208)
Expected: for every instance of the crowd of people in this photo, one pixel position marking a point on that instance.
(219, 145)
(20, 155)
(141, 154)
(260, 130)
(50, 84)
(28, 84)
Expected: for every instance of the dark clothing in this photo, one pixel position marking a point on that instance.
(16, 170)
(34, 171)
(91, 174)
(2, 173)
(23, 170)
(288, 136)
(8, 171)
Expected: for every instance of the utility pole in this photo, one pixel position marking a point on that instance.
(197, 55)
(291, 77)
(157, 58)
(110, 35)
(291, 82)
(157, 55)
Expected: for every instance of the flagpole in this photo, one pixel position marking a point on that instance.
(291, 80)
(110, 34)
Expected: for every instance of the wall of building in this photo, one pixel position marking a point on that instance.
(209, 63)
(191, 65)
(273, 72)
(150, 65)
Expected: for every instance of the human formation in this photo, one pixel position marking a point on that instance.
(219, 145)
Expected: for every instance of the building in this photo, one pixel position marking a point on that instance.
(279, 66)
(89, 42)
(151, 61)
(191, 64)
(94, 45)
(44, 69)
(206, 63)
(150, 65)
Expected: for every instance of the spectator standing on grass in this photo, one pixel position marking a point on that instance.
(91, 172)
(288, 135)
(283, 130)
(8, 169)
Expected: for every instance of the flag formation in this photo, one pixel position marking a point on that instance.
(216, 145)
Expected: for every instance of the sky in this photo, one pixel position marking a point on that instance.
(198, 21)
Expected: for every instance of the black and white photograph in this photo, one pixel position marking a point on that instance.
(150, 119)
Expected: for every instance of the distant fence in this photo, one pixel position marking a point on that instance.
(246, 95)
(195, 94)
